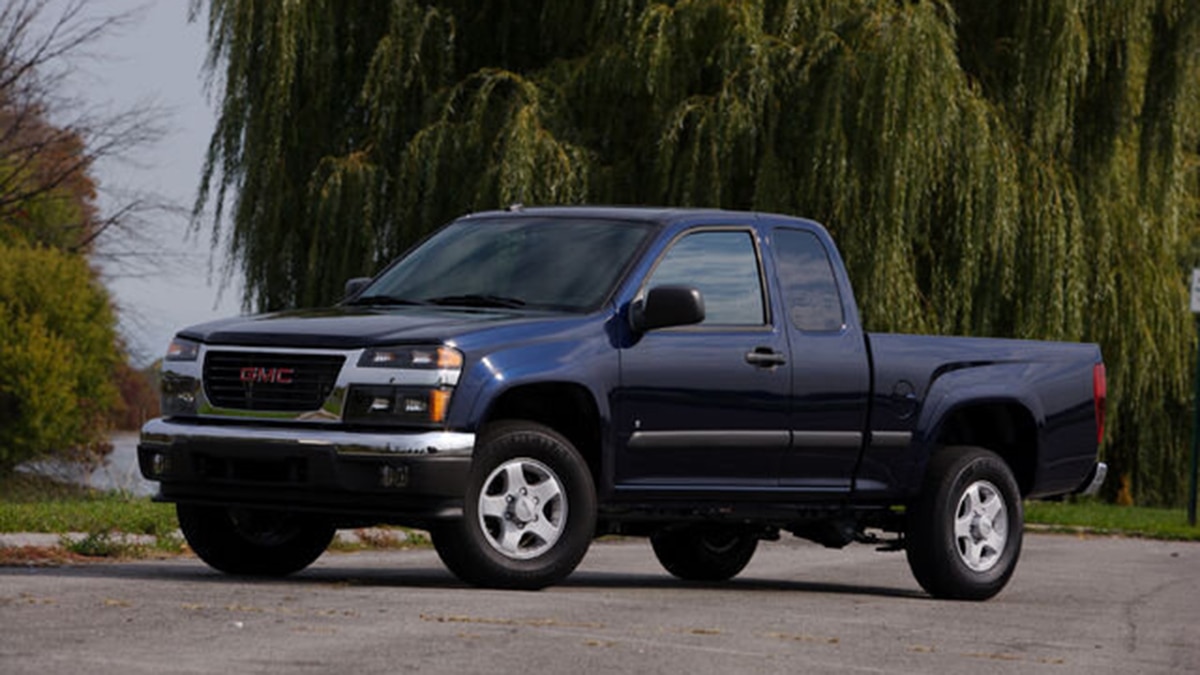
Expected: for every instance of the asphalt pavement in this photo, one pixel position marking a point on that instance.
(1076, 605)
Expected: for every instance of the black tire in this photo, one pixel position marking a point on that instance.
(253, 542)
(964, 531)
(529, 513)
(704, 552)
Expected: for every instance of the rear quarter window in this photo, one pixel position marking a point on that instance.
(806, 278)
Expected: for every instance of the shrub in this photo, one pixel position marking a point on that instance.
(58, 352)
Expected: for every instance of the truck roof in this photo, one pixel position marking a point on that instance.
(663, 214)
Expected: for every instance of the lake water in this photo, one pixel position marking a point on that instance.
(119, 471)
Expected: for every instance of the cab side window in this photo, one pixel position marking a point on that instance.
(810, 290)
(723, 266)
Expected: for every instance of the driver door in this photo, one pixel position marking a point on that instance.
(706, 406)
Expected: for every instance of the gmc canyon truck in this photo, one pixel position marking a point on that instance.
(524, 381)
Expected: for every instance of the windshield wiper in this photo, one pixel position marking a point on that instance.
(379, 300)
(477, 301)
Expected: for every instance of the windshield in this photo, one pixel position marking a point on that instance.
(535, 263)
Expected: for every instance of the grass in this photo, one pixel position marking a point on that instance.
(111, 544)
(111, 524)
(1097, 517)
(37, 504)
(115, 525)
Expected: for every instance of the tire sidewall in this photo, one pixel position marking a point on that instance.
(932, 545)
(480, 563)
(992, 470)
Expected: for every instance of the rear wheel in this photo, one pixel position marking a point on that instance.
(529, 514)
(253, 541)
(704, 552)
(964, 530)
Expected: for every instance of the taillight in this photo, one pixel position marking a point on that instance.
(1100, 396)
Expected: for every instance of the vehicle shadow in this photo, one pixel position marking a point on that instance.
(430, 575)
(589, 579)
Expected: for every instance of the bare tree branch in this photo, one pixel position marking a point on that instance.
(50, 141)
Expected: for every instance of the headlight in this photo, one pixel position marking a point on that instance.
(405, 404)
(182, 349)
(179, 394)
(421, 358)
(397, 406)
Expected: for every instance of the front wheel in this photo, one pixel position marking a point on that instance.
(529, 514)
(253, 541)
(964, 530)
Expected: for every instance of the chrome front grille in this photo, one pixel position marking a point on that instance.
(265, 381)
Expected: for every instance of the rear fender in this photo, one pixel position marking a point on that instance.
(960, 389)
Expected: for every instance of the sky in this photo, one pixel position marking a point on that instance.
(158, 59)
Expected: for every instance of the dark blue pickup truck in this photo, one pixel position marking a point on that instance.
(524, 381)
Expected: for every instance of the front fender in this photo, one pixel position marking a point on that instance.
(590, 363)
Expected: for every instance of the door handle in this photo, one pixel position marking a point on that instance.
(765, 357)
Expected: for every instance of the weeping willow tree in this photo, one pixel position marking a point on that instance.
(1024, 168)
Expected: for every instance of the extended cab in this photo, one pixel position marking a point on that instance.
(523, 381)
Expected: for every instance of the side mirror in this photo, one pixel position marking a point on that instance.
(667, 306)
(355, 285)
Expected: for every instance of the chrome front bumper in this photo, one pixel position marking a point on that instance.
(165, 432)
(402, 477)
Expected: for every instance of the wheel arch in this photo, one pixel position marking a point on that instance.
(566, 407)
(1005, 426)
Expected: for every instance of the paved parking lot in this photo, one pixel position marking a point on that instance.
(1093, 605)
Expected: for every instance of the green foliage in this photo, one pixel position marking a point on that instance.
(1093, 517)
(57, 354)
(36, 504)
(100, 544)
(121, 545)
(58, 346)
(1022, 169)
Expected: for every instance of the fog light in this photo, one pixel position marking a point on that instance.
(160, 464)
(393, 476)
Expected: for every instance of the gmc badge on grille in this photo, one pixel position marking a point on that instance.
(251, 374)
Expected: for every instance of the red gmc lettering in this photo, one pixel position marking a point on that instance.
(267, 375)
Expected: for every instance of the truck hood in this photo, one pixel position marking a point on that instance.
(353, 327)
